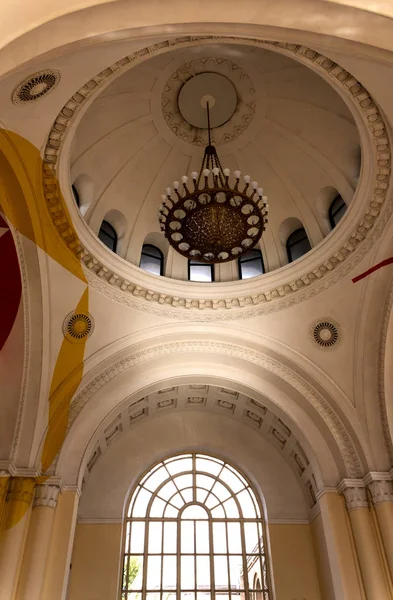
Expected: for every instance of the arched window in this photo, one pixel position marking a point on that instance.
(251, 264)
(194, 531)
(200, 271)
(76, 196)
(297, 244)
(108, 235)
(152, 260)
(337, 210)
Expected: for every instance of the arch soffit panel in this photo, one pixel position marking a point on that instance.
(298, 389)
(114, 276)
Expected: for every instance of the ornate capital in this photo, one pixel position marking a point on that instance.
(46, 495)
(381, 491)
(355, 497)
(21, 489)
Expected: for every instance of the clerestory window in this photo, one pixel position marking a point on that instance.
(194, 531)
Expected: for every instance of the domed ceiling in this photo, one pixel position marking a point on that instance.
(277, 121)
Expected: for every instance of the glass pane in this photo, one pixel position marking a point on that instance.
(177, 466)
(204, 596)
(187, 596)
(167, 596)
(194, 512)
(168, 490)
(260, 533)
(187, 536)
(220, 491)
(132, 573)
(231, 509)
(219, 538)
(155, 479)
(177, 501)
(187, 573)
(150, 264)
(153, 596)
(153, 572)
(256, 505)
(204, 481)
(134, 495)
(236, 570)
(234, 539)
(253, 569)
(202, 537)
(141, 503)
(155, 538)
(187, 495)
(169, 581)
(200, 272)
(251, 537)
(246, 504)
(251, 268)
(157, 508)
(132, 596)
(170, 537)
(201, 495)
(231, 480)
(170, 512)
(137, 537)
(183, 481)
(210, 466)
(221, 572)
(203, 572)
(218, 512)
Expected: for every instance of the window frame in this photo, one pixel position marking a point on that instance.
(289, 245)
(160, 257)
(332, 213)
(112, 235)
(243, 259)
(247, 555)
(192, 263)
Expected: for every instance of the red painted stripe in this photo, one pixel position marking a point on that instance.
(10, 285)
(387, 261)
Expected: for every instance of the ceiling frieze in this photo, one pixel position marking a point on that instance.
(97, 380)
(366, 230)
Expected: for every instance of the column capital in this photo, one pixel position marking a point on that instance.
(354, 492)
(21, 489)
(381, 491)
(46, 495)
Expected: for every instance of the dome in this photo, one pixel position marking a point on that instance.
(275, 119)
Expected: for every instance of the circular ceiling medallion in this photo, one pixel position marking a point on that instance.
(325, 333)
(204, 88)
(218, 80)
(36, 86)
(78, 326)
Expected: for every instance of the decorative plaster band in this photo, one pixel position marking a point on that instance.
(94, 384)
(308, 283)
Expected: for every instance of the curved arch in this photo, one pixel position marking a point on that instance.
(84, 186)
(323, 202)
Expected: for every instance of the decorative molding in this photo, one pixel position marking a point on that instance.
(77, 326)
(36, 86)
(91, 385)
(387, 311)
(237, 124)
(294, 290)
(381, 491)
(355, 497)
(46, 495)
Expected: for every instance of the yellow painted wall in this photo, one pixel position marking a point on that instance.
(294, 565)
(95, 562)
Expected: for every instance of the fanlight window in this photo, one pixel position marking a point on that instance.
(76, 196)
(194, 531)
(108, 235)
(298, 244)
(152, 260)
(251, 264)
(337, 210)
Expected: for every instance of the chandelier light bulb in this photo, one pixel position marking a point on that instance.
(247, 179)
(227, 172)
(237, 174)
(184, 179)
(175, 185)
(260, 192)
(254, 185)
(206, 172)
(264, 198)
(194, 175)
(216, 171)
(168, 191)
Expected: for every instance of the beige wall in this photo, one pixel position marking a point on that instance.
(294, 565)
(95, 562)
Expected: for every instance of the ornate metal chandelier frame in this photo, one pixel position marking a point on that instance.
(215, 222)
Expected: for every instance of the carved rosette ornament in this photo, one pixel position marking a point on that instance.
(381, 491)
(46, 495)
(355, 497)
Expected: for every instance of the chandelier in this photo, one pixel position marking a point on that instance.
(217, 217)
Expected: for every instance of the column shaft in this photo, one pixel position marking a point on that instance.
(12, 538)
(37, 543)
(4, 481)
(368, 551)
(382, 496)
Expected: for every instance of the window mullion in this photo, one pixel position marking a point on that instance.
(145, 565)
(178, 560)
(212, 579)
